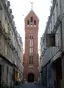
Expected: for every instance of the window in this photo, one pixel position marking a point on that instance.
(57, 9)
(53, 18)
(31, 42)
(7, 72)
(0, 7)
(31, 59)
(0, 72)
(28, 22)
(5, 49)
(0, 24)
(50, 40)
(51, 25)
(5, 17)
(55, 15)
(8, 3)
(31, 19)
(31, 50)
(34, 22)
(31, 45)
(31, 37)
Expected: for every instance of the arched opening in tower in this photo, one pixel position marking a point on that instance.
(31, 77)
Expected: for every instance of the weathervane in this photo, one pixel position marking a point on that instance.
(31, 4)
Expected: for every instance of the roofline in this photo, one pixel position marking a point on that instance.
(34, 13)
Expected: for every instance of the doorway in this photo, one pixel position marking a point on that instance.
(57, 68)
(31, 77)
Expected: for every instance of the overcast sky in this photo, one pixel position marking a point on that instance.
(21, 8)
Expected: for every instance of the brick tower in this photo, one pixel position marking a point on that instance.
(31, 61)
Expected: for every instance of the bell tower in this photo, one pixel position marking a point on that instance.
(31, 61)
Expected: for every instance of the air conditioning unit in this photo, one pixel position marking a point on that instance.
(50, 40)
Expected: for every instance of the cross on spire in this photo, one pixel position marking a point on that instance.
(31, 5)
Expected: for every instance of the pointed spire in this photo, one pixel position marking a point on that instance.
(31, 5)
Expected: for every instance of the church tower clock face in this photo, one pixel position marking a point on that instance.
(31, 48)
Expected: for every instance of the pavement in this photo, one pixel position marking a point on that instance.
(29, 85)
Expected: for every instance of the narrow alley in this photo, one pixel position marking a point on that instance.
(31, 43)
(29, 85)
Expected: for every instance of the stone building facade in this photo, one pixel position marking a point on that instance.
(52, 45)
(11, 48)
(31, 62)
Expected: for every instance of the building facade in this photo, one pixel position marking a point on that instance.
(31, 61)
(11, 48)
(52, 45)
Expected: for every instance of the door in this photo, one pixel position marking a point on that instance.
(57, 73)
(30, 77)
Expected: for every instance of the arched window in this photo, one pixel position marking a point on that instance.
(28, 22)
(31, 19)
(31, 59)
(34, 22)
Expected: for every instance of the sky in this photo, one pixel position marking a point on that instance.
(21, 8)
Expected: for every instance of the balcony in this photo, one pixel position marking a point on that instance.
(50, 53)
(7, 36)
(8, 10)
(9, 40)
(6, 2)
